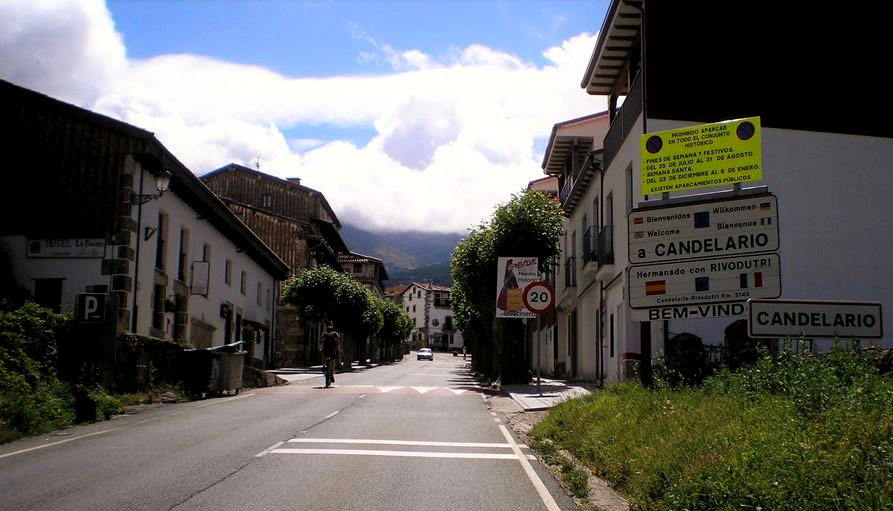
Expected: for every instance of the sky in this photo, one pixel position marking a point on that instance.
(419, 115)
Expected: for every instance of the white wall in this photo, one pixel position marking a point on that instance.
(206, 309)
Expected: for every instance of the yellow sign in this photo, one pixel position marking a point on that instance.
(699, 156)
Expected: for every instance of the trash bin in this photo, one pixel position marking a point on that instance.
(213, 370)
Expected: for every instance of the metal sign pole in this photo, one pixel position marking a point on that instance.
(538, 358)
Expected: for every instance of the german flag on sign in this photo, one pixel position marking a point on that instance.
(655, 287)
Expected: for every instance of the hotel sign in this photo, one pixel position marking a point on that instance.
(706, 229)
(701, 156)
(66, 247)
(711, 281)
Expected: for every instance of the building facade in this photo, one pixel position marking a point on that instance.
(368, 270)
(169, 259)
(300, 227)
(428, 306)
(827, 169)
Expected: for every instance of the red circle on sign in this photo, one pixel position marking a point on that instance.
(539, 297)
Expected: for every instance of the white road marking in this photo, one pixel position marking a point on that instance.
(57, 443)
(427, 374)
(267, 450)
(497, 419)
(362, 396)
(457, 391)
(422, 390)
(385, 390)
(550, 503)
(398, 442)
(403, 454)
(226, 400)
(360, 386)
(329, 416)
(493, 414)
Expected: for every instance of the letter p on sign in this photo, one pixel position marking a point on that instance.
(90, 308)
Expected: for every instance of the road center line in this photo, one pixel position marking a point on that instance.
(267, 450)
(329, 416)
(402, 454)
(550, 503)
(399, 442)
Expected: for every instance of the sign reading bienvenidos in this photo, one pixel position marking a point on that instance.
(701, 156)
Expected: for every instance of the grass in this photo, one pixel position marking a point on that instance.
(790, 433)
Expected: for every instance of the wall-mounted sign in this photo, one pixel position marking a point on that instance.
(706, 229)
(435, 322)
(701, 156)
(200, 277)
(513, 275)
(708, 310)
(727, 279)
(814, 318)
(66, 247)
(90, 308)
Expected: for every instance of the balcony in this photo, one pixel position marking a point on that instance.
(442, 303)
(623, 121)
(570, 272)
(605, 245)
(598, 245)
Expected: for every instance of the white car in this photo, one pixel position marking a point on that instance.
(425, 353)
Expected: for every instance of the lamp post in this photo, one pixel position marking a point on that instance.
(162, 181)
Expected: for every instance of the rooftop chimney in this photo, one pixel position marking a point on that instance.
(295, 180)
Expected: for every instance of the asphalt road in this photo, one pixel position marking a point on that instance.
(415, 435)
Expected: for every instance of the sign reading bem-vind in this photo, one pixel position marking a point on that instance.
(701, 156)
(813, 318)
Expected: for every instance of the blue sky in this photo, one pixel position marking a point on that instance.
(406, 115)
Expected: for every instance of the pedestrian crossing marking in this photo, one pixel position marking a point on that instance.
(458, 392)
(385, 390)
(422, 390)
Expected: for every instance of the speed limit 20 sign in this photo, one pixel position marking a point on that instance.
(539, 297)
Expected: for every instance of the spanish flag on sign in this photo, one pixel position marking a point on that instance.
(655, 287)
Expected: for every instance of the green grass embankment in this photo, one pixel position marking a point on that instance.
(790, 433)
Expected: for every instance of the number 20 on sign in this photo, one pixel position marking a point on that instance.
(539, 297)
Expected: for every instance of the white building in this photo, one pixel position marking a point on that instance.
(177, 265)
(428, 306)
(828, 168)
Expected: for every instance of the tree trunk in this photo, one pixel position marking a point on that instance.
(512, 365)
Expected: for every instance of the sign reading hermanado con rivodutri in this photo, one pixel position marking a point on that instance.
(706, 229)
(726, 279)
(814, 318)
(701, 156)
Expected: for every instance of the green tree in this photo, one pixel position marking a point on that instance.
(528, 225)
(396, 327)
(321, 294)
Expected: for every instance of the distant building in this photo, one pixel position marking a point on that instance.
(547, 185)
(395, 293)
(428, 306)
(84, 215)
(299, 225)
(368, 270)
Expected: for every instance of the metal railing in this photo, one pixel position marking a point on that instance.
(590, 244)
(624, 121)
(605, 245)
(570, 272)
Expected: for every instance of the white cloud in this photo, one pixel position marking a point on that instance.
(453, 135)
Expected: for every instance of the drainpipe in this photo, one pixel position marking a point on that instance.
(136, 265)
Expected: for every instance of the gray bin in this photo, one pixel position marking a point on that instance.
(214, 370)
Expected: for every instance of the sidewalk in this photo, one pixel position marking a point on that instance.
(553, 392)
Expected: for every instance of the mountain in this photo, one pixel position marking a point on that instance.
(438, 273)
(405, 250)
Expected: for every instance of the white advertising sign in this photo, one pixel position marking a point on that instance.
(513, 275)
(727, 279)
(66, 248)
(707, 229)
(813, 318)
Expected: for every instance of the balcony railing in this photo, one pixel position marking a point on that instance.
(590, 244)
(605, 245)
(624, 121)
(570, 272)
(442, 303)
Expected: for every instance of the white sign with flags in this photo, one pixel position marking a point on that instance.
(814, 318)
(513, 275)
(706, 229)
(727, 279)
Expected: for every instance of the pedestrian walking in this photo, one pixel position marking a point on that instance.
(330, 346)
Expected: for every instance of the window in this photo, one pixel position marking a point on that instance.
(595, 213)
(161, 241)
(267, 200)
(228, 273)
(260, 293)
(609, 209)
(182, 258)
(269, 299)
(158, 293)
(583, 226)
(358, 267)
(48, 293)
(413, 308)
(611, 334)
(206, 253)
(629, 188)
(243, 282)
(448, 323)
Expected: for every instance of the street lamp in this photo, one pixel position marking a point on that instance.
(162, 181)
